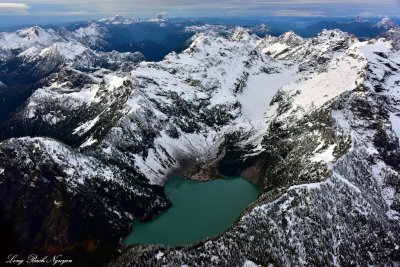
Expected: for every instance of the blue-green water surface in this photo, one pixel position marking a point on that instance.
(199, 210)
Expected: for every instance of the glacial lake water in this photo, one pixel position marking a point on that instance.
(199, 210)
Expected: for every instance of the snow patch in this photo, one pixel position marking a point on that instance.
(85, 127)
(275, 49)
(249, 263)
(260, 90)
(395, 120)
(324, 156)
(159, 255)
(90, 141)
(341, 76)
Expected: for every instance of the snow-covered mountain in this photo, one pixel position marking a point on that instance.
(385, 23)
(32, 42)
(29, 55)
(118, 19)
(328, 161)
(313, 122)
(393, 34)
(363, 28)
(205, 82)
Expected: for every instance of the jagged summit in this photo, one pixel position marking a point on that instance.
(240, 34)
(393, 35)
(262, 29)
(358, 19)
(336, 33)
(28, 37)
(118, 19)
(385, 23)
(290, 38)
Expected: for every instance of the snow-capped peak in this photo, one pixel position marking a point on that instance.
(331, 35)
(28, 37)
(92, 29)
(262, 29)
(34, 31)
(290, 38)
(385, 23)
(358, 19)
(118, 19)
(240, 34)
(68, 50)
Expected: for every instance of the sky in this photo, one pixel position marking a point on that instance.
(18, 12)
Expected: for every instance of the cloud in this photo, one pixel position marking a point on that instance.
(297, 13)
(19, 8)
(370, 14)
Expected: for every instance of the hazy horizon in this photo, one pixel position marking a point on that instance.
(59, 11)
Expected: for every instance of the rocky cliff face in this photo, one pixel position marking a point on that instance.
(313, 122)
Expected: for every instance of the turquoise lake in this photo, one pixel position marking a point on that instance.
(199, 210)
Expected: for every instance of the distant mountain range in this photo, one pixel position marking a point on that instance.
(359, 27)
